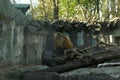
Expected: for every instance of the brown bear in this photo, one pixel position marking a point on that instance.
(56, 56)
(62, 41)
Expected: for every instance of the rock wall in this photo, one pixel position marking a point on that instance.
(22, 44)
(12, 23)
(35, 36)
(11, 42)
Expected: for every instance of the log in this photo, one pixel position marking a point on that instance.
(97, 58)
(109, 64)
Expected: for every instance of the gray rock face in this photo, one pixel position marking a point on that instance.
(27, 74)
(16, 73)
(11, 43)
(22, 40)
(34, 44)
(12, 23)
(19, 45)
(112, 71)
(9, 13)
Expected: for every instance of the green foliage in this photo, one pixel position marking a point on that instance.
(44, 10)
(87, 2)
(72, 10)
(67, 10)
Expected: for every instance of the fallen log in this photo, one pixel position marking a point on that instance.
(96, 58)
(112, 64)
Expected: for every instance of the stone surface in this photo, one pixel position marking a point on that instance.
(112, 71)
(25, 73)
(12, 23)
(34, 44)
(11, 43)
(17, 72)
(9, 13)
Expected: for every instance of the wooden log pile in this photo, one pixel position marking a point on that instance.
(98, 57)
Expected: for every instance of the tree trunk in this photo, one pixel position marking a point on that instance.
(45, 14)
(97, 6)
(56, 8)
(78, 1)
(31, 8)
